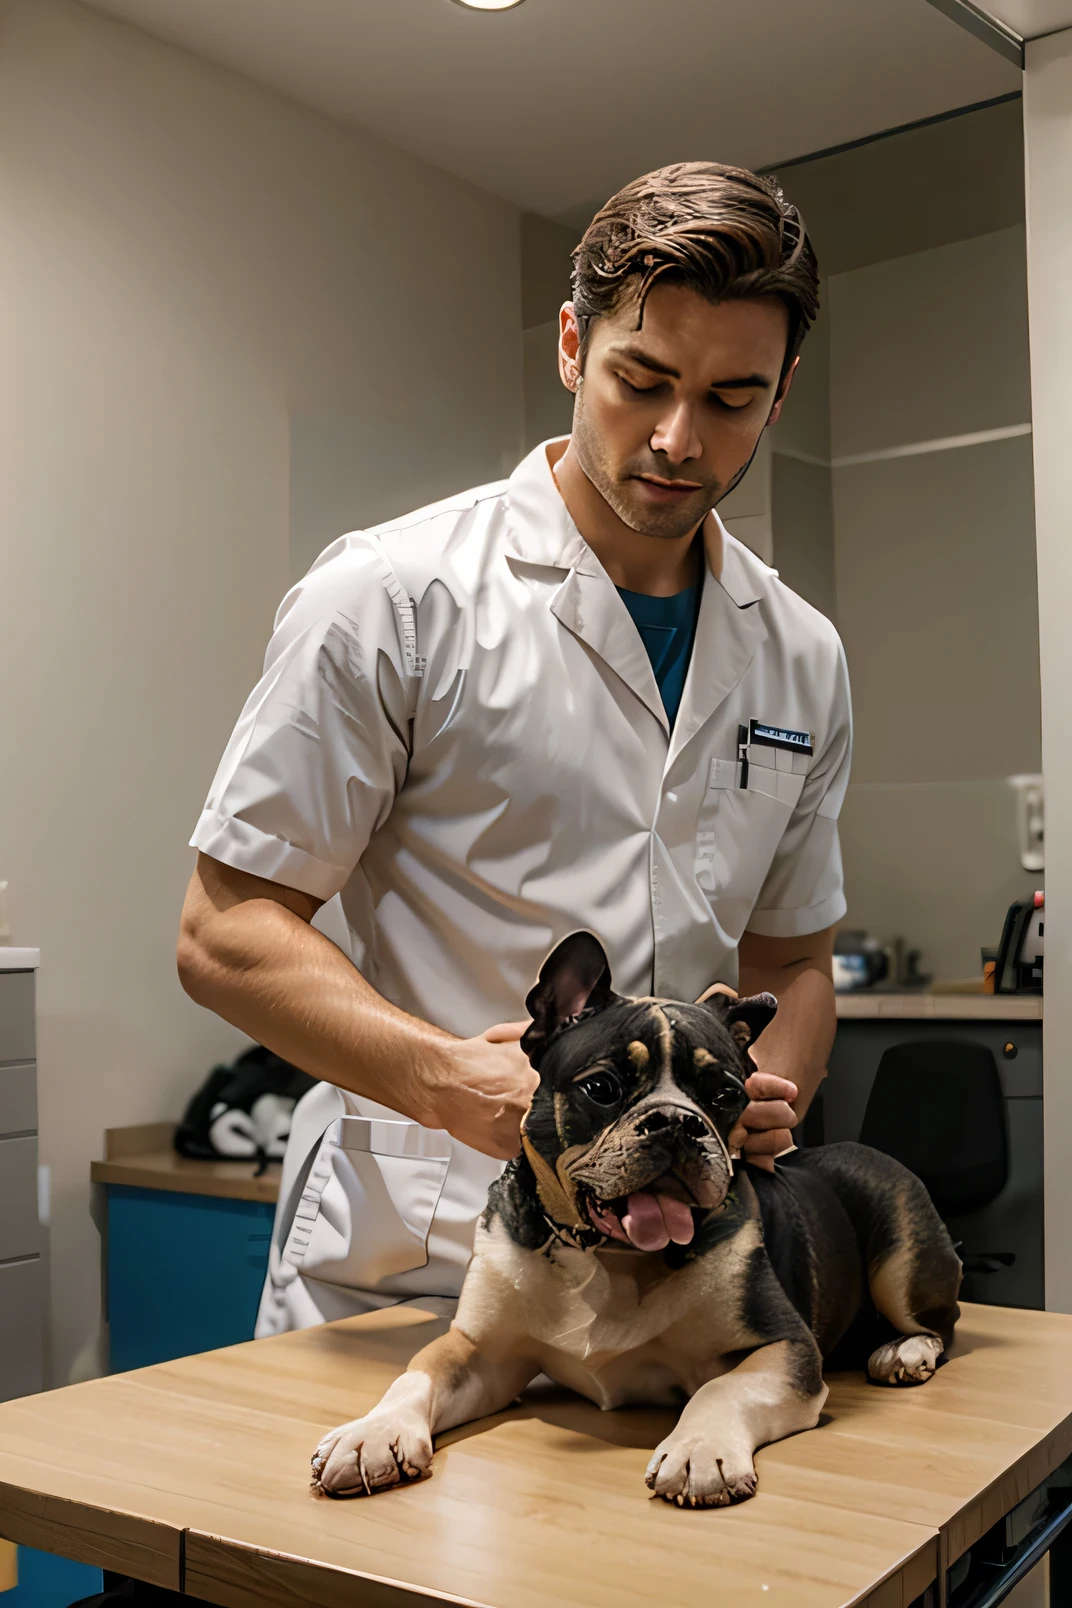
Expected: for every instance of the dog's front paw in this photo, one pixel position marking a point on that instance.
(695, 1472)
(372, 1454)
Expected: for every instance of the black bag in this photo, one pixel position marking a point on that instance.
(243, 1112)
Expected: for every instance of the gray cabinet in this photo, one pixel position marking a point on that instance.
(21, 1271)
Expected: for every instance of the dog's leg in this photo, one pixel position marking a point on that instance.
(914, 1280)
(448, 1383)
(913, 1272)
(707, 1461)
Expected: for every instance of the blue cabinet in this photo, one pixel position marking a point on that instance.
(184, 1272)
(49, 1582)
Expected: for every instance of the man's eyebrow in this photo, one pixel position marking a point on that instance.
(748, 382)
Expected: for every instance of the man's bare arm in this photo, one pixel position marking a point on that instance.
(796, 1046)
(246, 951)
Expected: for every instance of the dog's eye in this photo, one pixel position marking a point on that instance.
(601, 1087)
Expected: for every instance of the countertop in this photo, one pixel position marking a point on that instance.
(19, 959)
(873, 1004)
(143, 1158)
(194, 1475)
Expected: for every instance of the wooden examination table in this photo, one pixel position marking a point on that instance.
(194, 1475)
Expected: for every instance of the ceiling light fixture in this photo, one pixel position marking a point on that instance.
(489, 5)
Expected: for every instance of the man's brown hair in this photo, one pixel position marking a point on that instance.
(721, 231)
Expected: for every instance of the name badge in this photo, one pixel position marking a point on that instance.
(764, 736)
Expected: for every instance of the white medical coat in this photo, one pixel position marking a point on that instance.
(458, 732)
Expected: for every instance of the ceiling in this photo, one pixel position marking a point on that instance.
(555, 104)
(1030, 18)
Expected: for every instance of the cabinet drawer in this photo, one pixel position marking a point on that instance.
(16, 1016)
(21, 1307)
(19, 1230)
(18, 1099)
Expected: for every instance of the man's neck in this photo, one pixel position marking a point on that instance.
(657, 566)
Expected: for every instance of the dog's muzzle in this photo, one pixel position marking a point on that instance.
(658, 1141)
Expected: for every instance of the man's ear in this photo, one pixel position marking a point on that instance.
(745, 1018)
(570, 361)
(575, 977)
(783, 391)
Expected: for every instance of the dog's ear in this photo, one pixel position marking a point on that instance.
(575, 977)
(745, 1018)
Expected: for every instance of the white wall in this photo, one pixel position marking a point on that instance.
(1048, 138)
(190, 266)
(936, 590)
(548, 405)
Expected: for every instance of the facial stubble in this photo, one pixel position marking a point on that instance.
(668, 524)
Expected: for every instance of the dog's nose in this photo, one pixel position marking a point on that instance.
(654, 1122)
(688, 1122)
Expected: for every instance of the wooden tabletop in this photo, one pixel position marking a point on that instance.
(194, 1475)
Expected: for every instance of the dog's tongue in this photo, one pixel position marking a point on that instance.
(649, 1222)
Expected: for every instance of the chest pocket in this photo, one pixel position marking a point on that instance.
(739, 828)
(369, 1200)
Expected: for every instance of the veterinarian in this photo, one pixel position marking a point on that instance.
(571, 700)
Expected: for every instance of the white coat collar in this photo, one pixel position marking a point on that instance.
(540, 528)
(728, 631)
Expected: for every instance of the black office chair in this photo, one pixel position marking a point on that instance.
(938, 1107)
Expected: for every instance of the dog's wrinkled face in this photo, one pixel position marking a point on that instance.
(627, 1132)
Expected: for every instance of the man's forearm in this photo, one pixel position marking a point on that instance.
(797, 1044)
(263, 968)
(247, 951)
(799, 973)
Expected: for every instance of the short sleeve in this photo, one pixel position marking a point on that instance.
(320, 749)
(804, 888)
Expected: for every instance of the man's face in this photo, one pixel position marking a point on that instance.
(668, 415)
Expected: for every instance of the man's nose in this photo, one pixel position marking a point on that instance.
(676, 436)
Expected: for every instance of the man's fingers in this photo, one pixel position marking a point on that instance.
(717, 988)
(762, 1115)
(506, 1032)
(766, 1086)
(771, 1143)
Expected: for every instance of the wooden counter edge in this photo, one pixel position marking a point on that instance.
(236, 1575)
(903, 1585)
(123, 1542)
(1019, 1480)
(225, 1179)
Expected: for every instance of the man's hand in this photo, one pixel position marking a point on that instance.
(763, 1130)
(480, 1089)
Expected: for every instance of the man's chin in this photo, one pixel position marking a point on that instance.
(665, 521)
(670, 526)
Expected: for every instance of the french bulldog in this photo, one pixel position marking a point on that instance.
(626, 1254)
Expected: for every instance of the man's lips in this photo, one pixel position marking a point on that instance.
(668, 490)
(650, 1221)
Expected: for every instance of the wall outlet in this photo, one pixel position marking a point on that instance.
(1031, 820)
